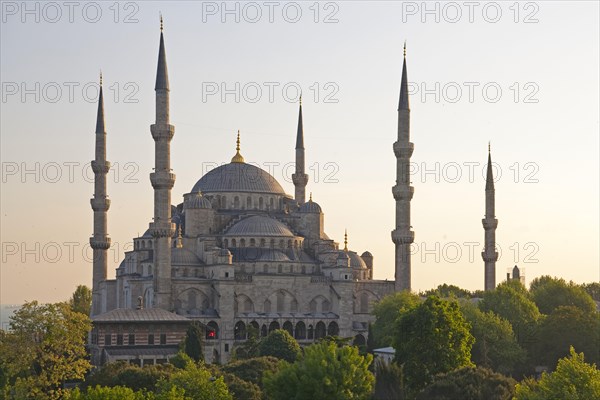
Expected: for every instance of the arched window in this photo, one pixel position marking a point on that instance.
(272, 243)
(289, 243)
(312, 306)
(279, 268)
(263, 243)
(223, 202)
(303, 269)
(267, 306)
(249, 202)
(265, 269)
(325, 306)
(252, 242)
(253, 329)
(236, 203)
(300, 332)
(333, 329)
(212, 330)
(311, 332)
(233, 243)
(320, 330)
(287, 326)
(261, 204)
(271, 203)
(359, 340)
(280, 302)
(273, 326)
(240, 331)
(143, 244)
(242, 242)
(293, 306)
(263, 330)
(364, 302)
(225, 243)
(248, 306)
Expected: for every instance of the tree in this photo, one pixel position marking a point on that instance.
(325, 372)
(573, 379)
(387, 311)
(510, 300)
(81, 300)
(495, 344)
(104, 393)
(549, 293)
(253, 369)
(44, 348)
(388, 382)
(197, 383)
(568, 326)
(136, 378)
(448, 291)
(469, 384)
(192, 343)
(593, 289)
(432, 338)
(280, 344)
(249, 348)
(241, 389)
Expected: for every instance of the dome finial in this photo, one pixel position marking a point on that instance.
(489, 147)
(345, 239)
(405, 49)
(161, 22)
(179, 241)
(310, 198)
(100, 77)
(238, 157)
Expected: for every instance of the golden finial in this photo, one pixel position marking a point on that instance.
(489, 147)
(100, 77)
(179, 242)
(300, 99)
(310, 199)
(345, 239)
(405, 49)
(161, 22)
(238, 157)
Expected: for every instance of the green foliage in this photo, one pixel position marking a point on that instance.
(549, 293)
(45, 347)
(252, 370)
(495, 344)
(280, 344)
(573, 379)
(469, 384)
(104, 393)
(81, 300)
(446, 291)
(389, 382)
(192, 343)
(593, 289)
(197, 383)
(249, 348)
(510, 300)
(387, 312)
(568, 326)
(432, 338)
(180, 360)
(124, 374)
(325, 372)
(241, 389)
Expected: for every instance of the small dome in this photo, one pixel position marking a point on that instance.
(310, 207)
(259, 226)
(342, 255)
(367, 254)
(196, 201)
(356, 261)
(183, 257)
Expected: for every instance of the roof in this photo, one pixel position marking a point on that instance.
(258, 225)
(141, 315)
(238, 177)
(142, 350)
(385, 350)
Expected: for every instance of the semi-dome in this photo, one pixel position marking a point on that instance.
(356, 261)
(310, 207)
(259, 226)
(238, 177)
(184, 257)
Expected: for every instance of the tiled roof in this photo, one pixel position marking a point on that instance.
(142, 315)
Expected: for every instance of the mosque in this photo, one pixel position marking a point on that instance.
(238, 254)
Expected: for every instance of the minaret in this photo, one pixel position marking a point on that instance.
(100, 242)
(490, 223)
(162, 179)
(403, 236)
(299, 178)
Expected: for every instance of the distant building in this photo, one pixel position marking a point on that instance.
(385, 354)
(516, 274)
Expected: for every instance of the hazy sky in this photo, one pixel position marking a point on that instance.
(521, 75)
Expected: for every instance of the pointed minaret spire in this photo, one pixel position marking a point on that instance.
(403, 235)
(300, 178)
(490, 223)
(162, 179)
(100, 242)
(345, 239)
(162, 74)
(237, 158)
(403, 102)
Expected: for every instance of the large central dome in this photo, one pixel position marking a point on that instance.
(238, 177)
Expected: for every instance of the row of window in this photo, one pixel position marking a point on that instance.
(129, 339)
(282, 243)
(301, 331)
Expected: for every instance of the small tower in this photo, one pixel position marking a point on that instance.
(300, 178)
(162, 179)
(403, 235)
(100, 242)
(490, 223)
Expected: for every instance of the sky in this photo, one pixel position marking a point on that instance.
(523, 76)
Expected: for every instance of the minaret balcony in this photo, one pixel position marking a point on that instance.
(403, 192)
(100, 204)
(161, 229)
(100, 243)
(100, 167)
(403, 149)
(489, 256)
(403, 236)
(162, 131)
(300, 179)
(489, 223)
(162, 180)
